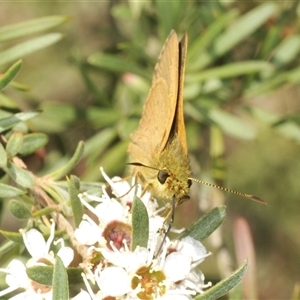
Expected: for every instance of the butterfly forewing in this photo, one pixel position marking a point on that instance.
(179, 126)
(159, 110)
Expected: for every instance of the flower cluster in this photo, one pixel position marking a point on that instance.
(39, 249)
(112, 269)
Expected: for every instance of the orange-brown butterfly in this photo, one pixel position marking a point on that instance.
(158, 148)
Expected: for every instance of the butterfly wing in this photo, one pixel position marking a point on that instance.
(179, 126)
(160, 106)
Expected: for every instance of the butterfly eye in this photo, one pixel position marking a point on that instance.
(162, 176)
(189, 183)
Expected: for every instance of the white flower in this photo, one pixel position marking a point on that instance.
(39, 249)
(122, 272)
(114, 281)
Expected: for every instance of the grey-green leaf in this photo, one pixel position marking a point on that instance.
(3, 156)
(15, 237)
(7, 191)
(74, 187)
(33, 142)
(9, 122)
(41, 274)
(10, 74)
(60, 281)
(206, 225)
(224, 286)
(140, 224)
(20, 50)
(70, 165)
(19, 210)
(231, 70)
(14, 144)
(20, 176)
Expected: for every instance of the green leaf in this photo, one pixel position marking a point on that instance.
(7, 102)
(287, 51)
(20, 50)
(60, 281)
(206, 225)
(33, 142)
(74, 187)
(20, 176)
(44, 274)
(12, 236)
(44, 211)
(224, 286)
(9, 122)
(70, 165)
(10, 74)
(243, 27)
(114, 159)
(232, 125)
(207, 37)
(26, 28)
(140, 224)
(98, 143)
(6, 247)
(19, 210)
(3, 157)
(7, 191)
(14, 144)
(113, 63)
(289, 130)
(103, 116)
(230, 70)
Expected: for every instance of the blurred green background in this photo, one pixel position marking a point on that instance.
(241, 106)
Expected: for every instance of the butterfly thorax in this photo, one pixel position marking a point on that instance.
(170, 176)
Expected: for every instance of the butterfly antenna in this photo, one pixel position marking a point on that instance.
(137, 164)
(251, 197)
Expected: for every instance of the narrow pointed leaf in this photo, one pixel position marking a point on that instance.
(206, 225)
(26, 28)
(20, 50)
(246, 25)
(9, 122)
(12, 236)
(10, 74)
(231, 70)
(140, 224)
(70, 165)
(224, 286)
(60, 281)
(74, 187)
(44, 211)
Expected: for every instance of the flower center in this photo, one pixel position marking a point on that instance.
(151, 283)
(118, 233)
